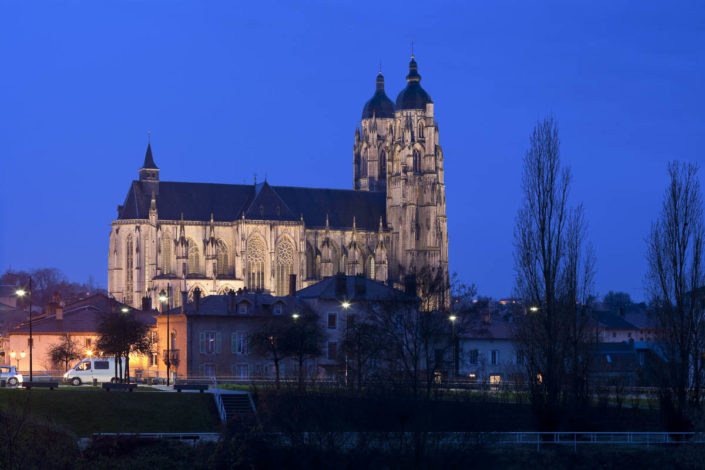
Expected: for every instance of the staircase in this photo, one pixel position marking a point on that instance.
(237, 404)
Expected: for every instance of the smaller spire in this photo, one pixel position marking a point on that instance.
(153, 203)
(212, 228)
(354, 226)
(380, 224)
(149, 159)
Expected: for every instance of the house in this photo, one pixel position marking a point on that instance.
(486, 350)
(211, 335)
(80, 321)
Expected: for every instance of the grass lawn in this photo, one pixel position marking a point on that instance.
(84, 411)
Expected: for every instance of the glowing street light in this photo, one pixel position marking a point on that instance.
(452, 319)
(89, 353)
(345, 304)
(124, 309)
(295, 316)
(534, 308)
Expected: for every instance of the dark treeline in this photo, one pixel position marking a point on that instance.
(46, 282)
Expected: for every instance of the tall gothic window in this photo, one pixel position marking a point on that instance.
(194, 259)
(310, 263)
(382, 165)
(129, 269)
(166, 253)
(221, 259)
(255, 263)
(420, 130)
(285, 265)
(371, 267)
(363, 164)
(335, 259)
(417, 161)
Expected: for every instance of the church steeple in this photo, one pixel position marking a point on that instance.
(149, 170)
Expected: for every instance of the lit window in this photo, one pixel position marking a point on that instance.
(495, 379)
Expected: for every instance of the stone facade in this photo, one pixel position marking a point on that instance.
(174, 237)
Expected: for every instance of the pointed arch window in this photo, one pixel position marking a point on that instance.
(285, 265)
(129, 269)
(221, 259)
(382, 165)
(255, 263)
(421, 126)
(166, 253)
(194, 258)
(335, 259)
(417, 161)
(311, 271)
(363, 164)
(371, 267)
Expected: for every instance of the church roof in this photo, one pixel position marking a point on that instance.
(227, 202)
(413, 96)
(379, 105)
(149, 160)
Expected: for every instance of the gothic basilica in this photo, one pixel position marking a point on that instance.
(176, 236)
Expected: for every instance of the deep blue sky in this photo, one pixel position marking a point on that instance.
(230, 89)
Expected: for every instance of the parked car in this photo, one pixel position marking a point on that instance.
(10, 375)
(101, 369)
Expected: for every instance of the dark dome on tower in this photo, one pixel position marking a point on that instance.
(379, 105)
(413, 96)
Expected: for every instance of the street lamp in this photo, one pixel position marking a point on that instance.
(89, 353)
(452, 319)
(162, 300)
(345, 304)
(534, 309)
(12, 356)
(295, 316)
(21, 293)
(124, 309)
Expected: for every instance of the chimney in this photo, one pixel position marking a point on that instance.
(59, 311)
(146, 303)
(197, 299)
(292, 284)
(360, 286)
(410, 285)
(51, 308)
(231, 301)
(184, 300)
(341, 288)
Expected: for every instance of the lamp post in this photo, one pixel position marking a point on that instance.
(162, 300)
(346, 306)
(12, 357)
(21, 293)
(452, 319)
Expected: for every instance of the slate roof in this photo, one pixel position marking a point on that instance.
(149, 160)
(227, 202)
(219, 305)
(613, 321)
(81, 316)
(379, 105)
(373, 290)
(413, 96)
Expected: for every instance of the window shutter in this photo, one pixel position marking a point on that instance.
(233, 342)
(202, 343)
(218, 342)
(245, 343)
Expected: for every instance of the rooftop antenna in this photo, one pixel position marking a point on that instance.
(412, 48)
(380, 66)
(149, 136)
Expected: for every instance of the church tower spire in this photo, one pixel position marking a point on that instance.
(372, 142)
(149, 173)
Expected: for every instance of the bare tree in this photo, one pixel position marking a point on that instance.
(64, 352)
(268, 342)
(554, 272)
(675, 283)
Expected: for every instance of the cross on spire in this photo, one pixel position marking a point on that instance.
(412, 48)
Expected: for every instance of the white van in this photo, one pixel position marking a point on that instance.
(100, 368)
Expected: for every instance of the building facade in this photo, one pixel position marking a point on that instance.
(175, 237)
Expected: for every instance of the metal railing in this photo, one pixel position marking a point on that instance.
(219, 400)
